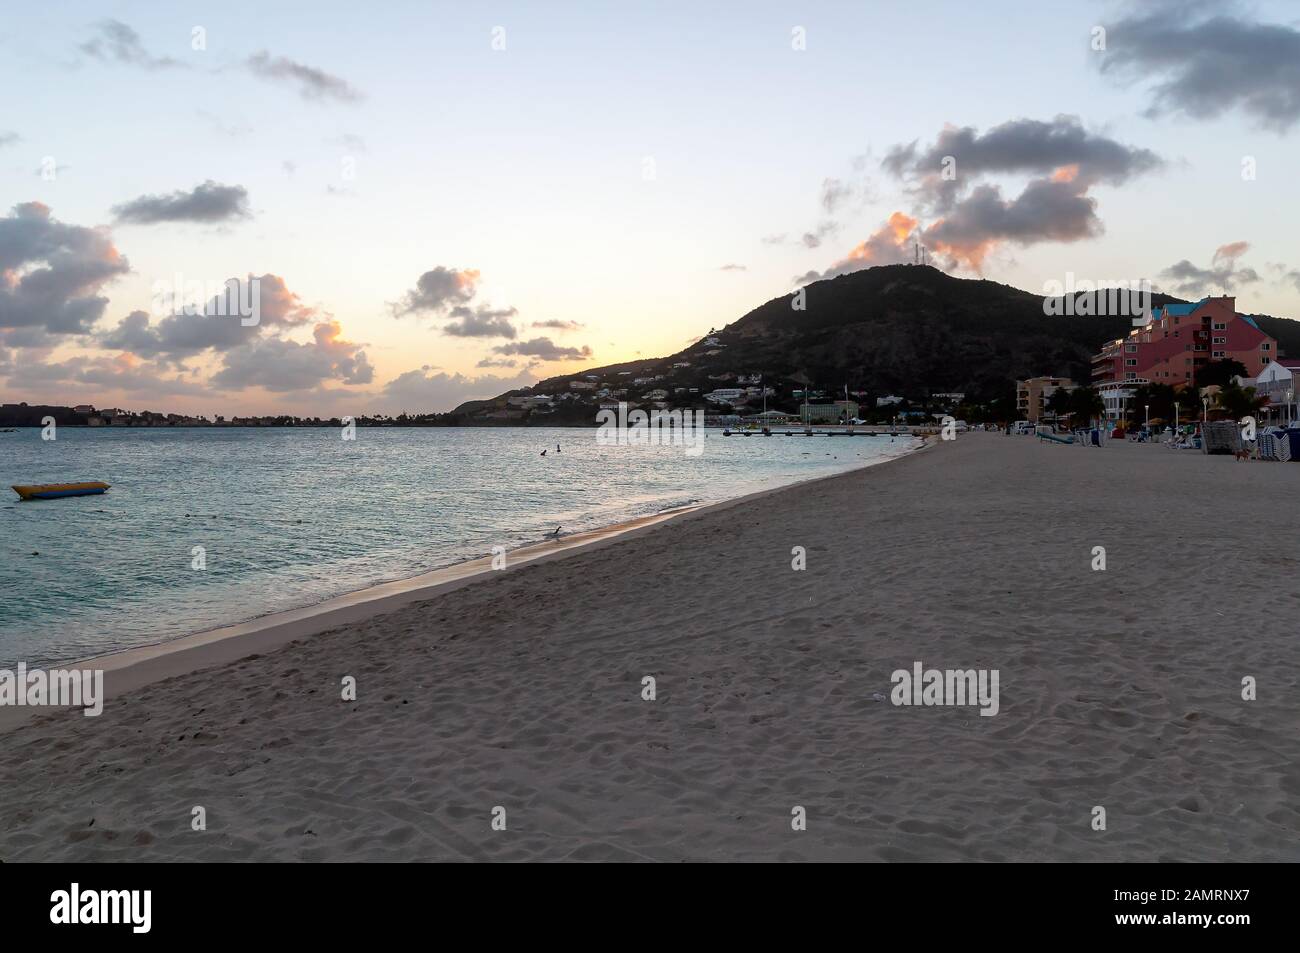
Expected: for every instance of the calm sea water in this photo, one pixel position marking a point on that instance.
(290, 517)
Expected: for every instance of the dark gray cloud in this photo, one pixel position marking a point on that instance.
(503, 362)
(1017, 147)
(437, 291)
(1204, 60)
(1062, 160)
(1047, 210)
(544, 350)
(450, 293)
(313, 84)
(734, 268)
(280, 365)
(51, 273)
(115, 42)
(9, 138)
(207, 203)
(188, 329)
(481, 322)
(1184, 278)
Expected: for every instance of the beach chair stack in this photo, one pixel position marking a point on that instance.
(1288, 446)
(1220, 436)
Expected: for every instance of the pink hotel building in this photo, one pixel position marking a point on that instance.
(1179, 339)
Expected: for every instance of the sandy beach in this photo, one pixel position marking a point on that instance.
(522, 689)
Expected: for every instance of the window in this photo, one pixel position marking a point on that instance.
(1221, 340)
(1219, 354)
(1177, 333)
(1131, 348)
(1131, 362)
(1265, 347)
(1220, 325)
(1129, 376)
(1188, 362)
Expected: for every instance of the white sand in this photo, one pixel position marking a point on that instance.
(1119, 688)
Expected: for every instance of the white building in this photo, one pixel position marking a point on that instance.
(888, 401)
(1117, 399)
(1278, 382)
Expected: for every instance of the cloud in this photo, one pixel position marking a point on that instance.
(437, 291)
(115, 42)
(314, 85)
(834, 194)
(481, 322)
(773, 239)
(1188, 279)
(9, 139)
(497, 362)
(280, 365)
(450, 293)
(1047, 210)
(558, 324)
(51, 273)
(1204, 62)
(205, 203)
(544, 350)
(814, 239)
(891, 244)
(189, 329)
(960, 156)
(1062, 160)
(123, 372)
(424, 391)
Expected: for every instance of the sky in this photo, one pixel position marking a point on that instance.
(435, 202)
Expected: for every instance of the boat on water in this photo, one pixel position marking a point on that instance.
(54, 491)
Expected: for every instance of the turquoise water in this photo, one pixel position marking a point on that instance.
(287, 518)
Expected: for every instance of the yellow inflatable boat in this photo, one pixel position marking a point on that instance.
(53, 491)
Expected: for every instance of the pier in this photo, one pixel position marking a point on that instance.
(809, 432)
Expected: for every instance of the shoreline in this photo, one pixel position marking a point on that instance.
(127, 670)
